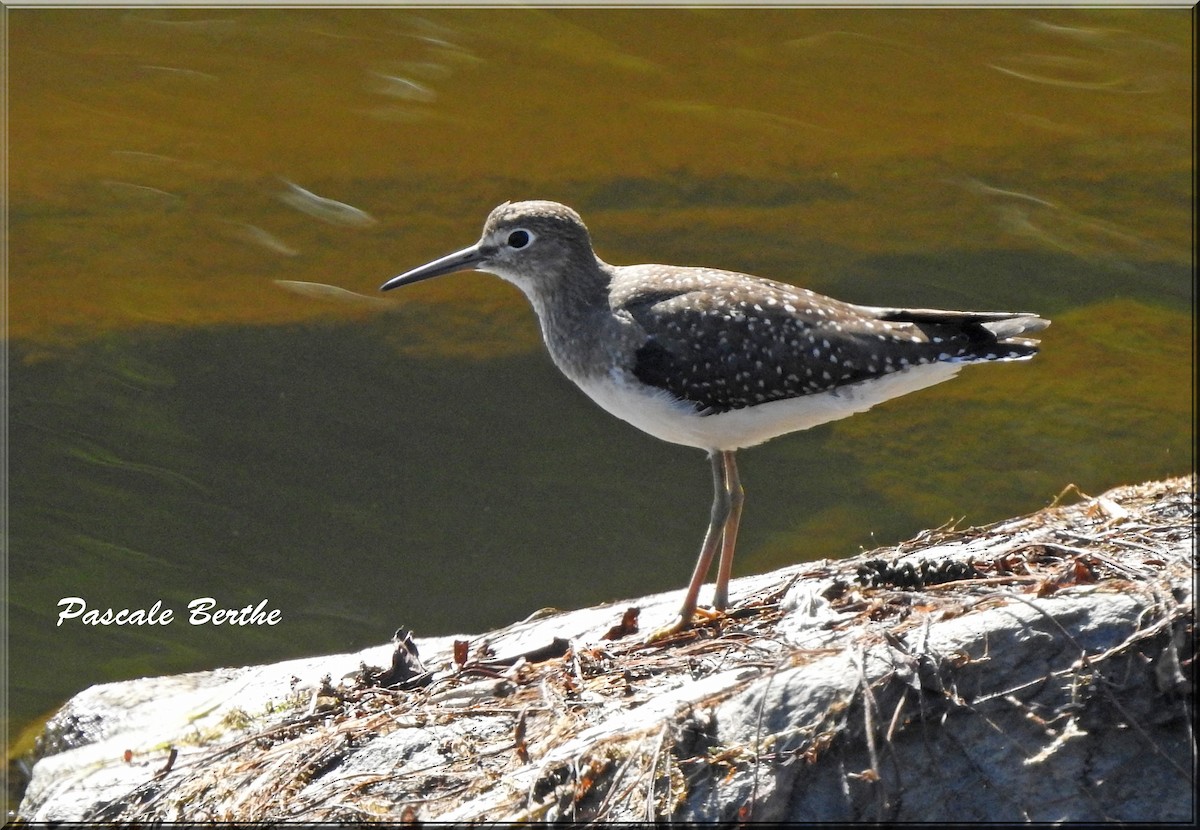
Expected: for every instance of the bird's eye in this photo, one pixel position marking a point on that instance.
(519, 238)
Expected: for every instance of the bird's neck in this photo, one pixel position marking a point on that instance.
(575, 316)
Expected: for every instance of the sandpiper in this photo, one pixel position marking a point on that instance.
(716, 359)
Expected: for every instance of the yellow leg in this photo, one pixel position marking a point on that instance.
(735, 496)
(722, 532)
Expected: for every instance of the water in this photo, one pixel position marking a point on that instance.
(192, 414)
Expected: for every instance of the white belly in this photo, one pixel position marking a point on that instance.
(659, 414)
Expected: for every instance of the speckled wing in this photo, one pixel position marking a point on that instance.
(726, 341)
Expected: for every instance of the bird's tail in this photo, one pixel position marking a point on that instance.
(1008, 334)
(992, 335)
(1016, 325)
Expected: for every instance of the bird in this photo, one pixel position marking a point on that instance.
(714, 359)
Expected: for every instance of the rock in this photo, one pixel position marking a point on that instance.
(1039, 669)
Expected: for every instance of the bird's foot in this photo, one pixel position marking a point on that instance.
(681, 624)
